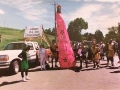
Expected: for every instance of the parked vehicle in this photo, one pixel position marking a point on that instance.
(9, 55)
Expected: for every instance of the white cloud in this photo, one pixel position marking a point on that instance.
(108, 0)
(28, 8)
(1, 11)
(97, 16)
(75, 0)
(80, 0)
(86, 11)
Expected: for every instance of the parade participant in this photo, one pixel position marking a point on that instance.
(102, 50)
(82, 52)
(42, 56)
(95, 55)
(118, 49)
(24, 63)
(110, 52)
(54, 50)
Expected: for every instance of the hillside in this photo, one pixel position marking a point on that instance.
(13, 35)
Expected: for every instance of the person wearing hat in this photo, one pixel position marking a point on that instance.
(24, 63)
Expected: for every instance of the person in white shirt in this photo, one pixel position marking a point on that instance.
(42, 56)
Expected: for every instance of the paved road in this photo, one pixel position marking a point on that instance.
(105, 78)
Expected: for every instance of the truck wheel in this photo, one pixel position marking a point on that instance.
(15, 67)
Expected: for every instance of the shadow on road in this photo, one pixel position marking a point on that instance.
(50, 69)
(5, 73)
(112, 67)
(115, 71)
(77, 69)
(8, 83)
(90, 67)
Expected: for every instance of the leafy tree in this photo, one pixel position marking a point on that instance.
(99, 36)
(119, 29)
(115, 30)
(88, 36)
(75, 27)
(53, 31)
(48, 31)
(110, 35)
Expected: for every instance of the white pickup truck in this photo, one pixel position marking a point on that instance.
(9, 55)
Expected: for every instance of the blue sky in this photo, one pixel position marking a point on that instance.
(100, 14)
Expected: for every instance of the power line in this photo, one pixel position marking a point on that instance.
(49, 9)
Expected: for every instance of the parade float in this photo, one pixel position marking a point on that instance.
(66, 54)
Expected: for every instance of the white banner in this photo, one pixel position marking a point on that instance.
(33, 32)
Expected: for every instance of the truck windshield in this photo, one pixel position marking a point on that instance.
(15, 46)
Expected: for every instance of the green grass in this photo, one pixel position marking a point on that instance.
(14, 35)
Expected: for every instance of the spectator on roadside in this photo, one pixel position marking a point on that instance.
(42, 57)
(24, 63)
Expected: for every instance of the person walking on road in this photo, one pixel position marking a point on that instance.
(82, 52)
(24, 63)
(42, 56)
(95, 55)
(118, 49)
(110, 52)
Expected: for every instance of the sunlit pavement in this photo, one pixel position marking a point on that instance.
(104, 78)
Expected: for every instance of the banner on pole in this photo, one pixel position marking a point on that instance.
(33, 32)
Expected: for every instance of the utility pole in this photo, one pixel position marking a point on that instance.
(4, 24)
(55, 22)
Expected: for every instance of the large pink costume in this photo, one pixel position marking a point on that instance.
(66, 54)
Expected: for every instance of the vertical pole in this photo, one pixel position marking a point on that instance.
(4, 24)
(55, 22)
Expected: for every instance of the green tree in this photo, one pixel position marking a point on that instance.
(48, 31)
(88, 36)
(75, 27)
(99, 36)
(118, 29)
(53, 31)
(110, 35)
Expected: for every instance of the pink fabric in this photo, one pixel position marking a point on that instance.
(79, 52)
(66, 54)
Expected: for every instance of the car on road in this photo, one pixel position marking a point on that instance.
(9, 55)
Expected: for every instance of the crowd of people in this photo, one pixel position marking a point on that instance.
(96, 52)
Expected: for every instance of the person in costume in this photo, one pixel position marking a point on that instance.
(54, 50)
(118, 49)
(95, 54)
(24, 63)
(102, 50)
(110, 52)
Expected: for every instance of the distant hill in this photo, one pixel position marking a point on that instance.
(13, 35)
